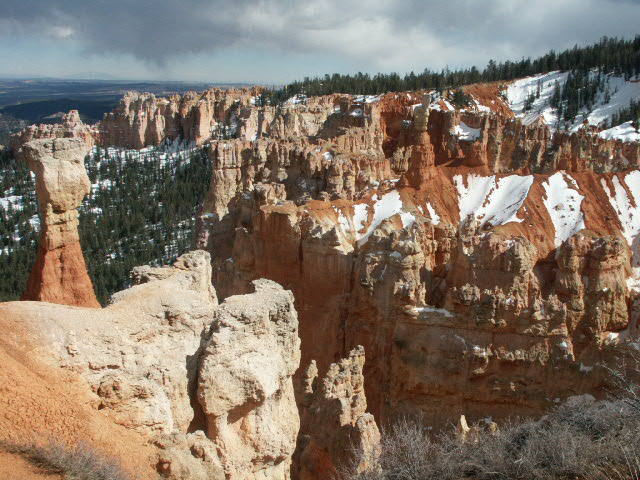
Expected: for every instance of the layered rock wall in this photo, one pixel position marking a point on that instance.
(337, 433)
(480, 280)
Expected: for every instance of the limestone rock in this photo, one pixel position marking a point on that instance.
(59, 274)
(335, 424)
(458, 308)
(245, 383)
(190, 456)
(70, 127)
(210, 386)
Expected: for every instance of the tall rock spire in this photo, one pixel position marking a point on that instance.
(60, 273)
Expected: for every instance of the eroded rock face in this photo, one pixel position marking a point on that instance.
(59, 274)
(209, 385)
(245, 383)
(70, 127)
(480, 280)
(143, 119)
(335, 422)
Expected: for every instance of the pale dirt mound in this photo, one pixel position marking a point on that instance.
(40, 402)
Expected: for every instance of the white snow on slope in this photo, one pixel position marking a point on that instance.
(360, 214)
(342, 220)
(435, 218)
(366, 98)
(520, 90)
(465, 132)
(430, 309)
(624, 132)
(563, 204)
(622, 92)
(387, 206)
(296, 99)
(488, 200)
(629, 216)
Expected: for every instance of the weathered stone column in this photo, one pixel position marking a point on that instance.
(60, 273)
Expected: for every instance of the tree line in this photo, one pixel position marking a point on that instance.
(612, 55)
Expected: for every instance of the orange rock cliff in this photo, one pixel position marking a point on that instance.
(486, 266)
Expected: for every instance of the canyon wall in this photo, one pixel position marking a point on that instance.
(485, 265)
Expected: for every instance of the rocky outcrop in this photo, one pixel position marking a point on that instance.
(143, 119)
(336, 430)
(70, 127)
(59, 274)
(245, 383)
(480, 280)
(210, 386)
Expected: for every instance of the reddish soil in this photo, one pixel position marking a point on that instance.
(39, 402)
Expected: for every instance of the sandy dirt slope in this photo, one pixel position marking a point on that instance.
(39, 402)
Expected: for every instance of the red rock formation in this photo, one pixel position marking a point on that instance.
(60, 273)
(71, 127)
(144, 119)
(462, 308)
(335, 425)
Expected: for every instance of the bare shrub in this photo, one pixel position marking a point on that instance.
(75, 462)
(582, 439)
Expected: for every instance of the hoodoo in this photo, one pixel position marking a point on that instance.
(60, 273)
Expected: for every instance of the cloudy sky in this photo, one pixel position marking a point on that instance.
(275, 41)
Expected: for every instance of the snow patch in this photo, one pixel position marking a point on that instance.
(625, 132)
(435, 218)
(429, 309)
(492, 201)
(628, 211)
(519, 91)
(385, 207)
(342, 220)
(563, 204)
(360, 215)
(465, 132)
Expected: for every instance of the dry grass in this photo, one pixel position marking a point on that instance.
(74, 462)
(582, 439)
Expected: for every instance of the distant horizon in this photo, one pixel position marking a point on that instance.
(4, 76)
(236, 42)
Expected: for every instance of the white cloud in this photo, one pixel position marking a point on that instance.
(369, 35)
(61, 32)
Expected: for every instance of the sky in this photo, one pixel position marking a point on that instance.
(277, 41)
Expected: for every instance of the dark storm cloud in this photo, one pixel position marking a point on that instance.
(373, 34)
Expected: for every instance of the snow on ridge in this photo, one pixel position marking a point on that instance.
(384, 207)
(563, 203)
(465, 132)
(367, 98)
(342, 220)
(519, 91)
(624, 132)
(620, 92)
(407, 219)
(629, 216)
(491, 201)
(430, 309)
(435, 218)
(296, 99)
